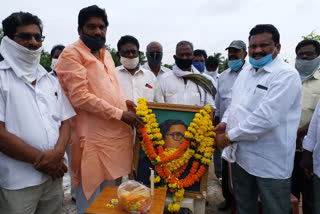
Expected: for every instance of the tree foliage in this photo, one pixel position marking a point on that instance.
(313, 36)
(223, 62)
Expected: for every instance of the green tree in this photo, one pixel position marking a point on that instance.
(223, 62)
(45, 60)
(313, 36)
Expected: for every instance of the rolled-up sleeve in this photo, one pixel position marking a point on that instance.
(73, 78)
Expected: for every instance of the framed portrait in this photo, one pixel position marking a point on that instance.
(173, 120)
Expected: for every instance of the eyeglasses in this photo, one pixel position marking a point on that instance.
(177, 136)
(28, 36)
(301, 54)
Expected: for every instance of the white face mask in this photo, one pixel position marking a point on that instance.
(24, 62)
(53, 63)
(307, 68)
(129, 63)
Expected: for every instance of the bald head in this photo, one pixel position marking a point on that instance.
(154, 47)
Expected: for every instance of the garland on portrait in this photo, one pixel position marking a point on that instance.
(197, 147)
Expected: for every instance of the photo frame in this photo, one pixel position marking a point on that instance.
(165, 111)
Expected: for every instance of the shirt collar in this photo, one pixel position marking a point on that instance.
(4, 65)
(316, 74)
(272, 66)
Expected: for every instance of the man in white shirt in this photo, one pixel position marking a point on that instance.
(307, 64)
(135, 81)
(185, 85)
(237, 52)
(262, 122)
(54, 55)
(34, 130)
(311, 157)
(154, 55)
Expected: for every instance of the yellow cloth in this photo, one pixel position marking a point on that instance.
(310, 97)
(101, 144)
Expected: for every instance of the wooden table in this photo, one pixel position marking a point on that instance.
(110, 192)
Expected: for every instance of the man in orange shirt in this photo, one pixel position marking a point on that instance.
(101, 138)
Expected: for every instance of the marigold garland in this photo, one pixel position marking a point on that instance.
(171, 163)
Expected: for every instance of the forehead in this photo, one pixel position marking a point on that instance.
(33, 28)
(261, 38)
(199, 57)
(128, 46)
(184, 49)
(154, 48)
(94, 20)
(307, 48)
(177, 127)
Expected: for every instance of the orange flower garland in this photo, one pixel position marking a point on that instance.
(197, 144)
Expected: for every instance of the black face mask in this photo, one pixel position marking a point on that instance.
(183, 63)
(93, 43)
(154, 58)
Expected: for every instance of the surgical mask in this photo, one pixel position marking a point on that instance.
(129, 63)
(235, 65)
(53, 63)
(199, 66)
(260, 63)
(183, 63)
(307, 68)
(154, 58)
(93, 43)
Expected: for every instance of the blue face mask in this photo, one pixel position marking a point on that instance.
(235, 65)
(259, 63)
(199, 66)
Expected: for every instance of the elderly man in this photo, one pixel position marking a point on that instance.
(135, 81)
(101, 138)
(34, 130)
(236, 56)
(262, 121)
(311, 157)
(185, 85)
(307, 64)
(154, 55)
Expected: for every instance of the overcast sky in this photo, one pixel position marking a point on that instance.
(208, 24)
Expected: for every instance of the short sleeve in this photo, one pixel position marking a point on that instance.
(66, 109)
(2, 105)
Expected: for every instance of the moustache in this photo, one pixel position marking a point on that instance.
(32, 47)
(258, 54)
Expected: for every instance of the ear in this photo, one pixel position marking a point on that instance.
(278, 46)
(118, 55)
(174, 57)
(79, 31)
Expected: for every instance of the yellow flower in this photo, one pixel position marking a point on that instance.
(207, 108)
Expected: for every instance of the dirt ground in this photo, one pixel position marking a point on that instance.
(214, 195)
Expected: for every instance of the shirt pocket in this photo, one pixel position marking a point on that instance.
(314, 101)
(148, 93)
(257, 97)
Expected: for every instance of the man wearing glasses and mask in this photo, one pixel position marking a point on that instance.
(134, 80)
(307, 64)
(34, 130)
(154, 55)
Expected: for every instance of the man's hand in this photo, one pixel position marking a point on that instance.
(131, 119)
(222, 141)
(307, 163)
(220, 128)
(51, 163)
(131, 106)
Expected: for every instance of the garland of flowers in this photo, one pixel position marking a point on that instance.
(170, 163)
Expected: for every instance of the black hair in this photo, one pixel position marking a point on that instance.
(199, 52)
(306, 42)
(166, 125)
(212, 62)
(266, 28)
(127, 39)
(181, 43)
(18, 19)
(92, 11)
(56, 47)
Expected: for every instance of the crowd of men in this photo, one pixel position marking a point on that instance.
(267, 114)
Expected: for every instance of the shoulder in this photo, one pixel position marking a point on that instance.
(166, 76)
(223, 74)
(148, 73)
(165, 69)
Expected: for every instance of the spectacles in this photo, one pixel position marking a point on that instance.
(177, 136)
(301, 54)
(28, 36)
